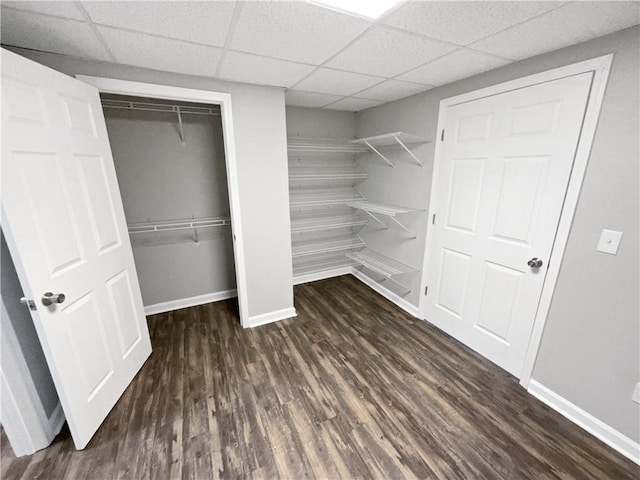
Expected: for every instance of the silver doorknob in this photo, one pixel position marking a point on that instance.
(535, 262)
(51, 298)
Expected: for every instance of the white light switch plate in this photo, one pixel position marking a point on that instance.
(609, 241)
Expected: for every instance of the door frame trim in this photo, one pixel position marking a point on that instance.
(166, 92)
(600, 66)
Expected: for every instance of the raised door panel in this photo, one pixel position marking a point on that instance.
(521, 185)
(465, 188)
(46, 195)
(499, 299)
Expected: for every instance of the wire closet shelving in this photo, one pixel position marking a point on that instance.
(394, 139)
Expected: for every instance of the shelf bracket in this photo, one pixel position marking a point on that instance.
(407, 289)
(402, 226)
(180, 126)
(380, 154)
(388, 277)
(376, 219)
(408, 151)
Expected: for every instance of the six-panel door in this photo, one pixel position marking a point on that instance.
(504, 171)
(67, 233)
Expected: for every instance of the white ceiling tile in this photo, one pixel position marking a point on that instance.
(244, 67)
(335, 82)
(50, 34)
(464, 22)
(200, 22)
(568, 25)
(294, 31)
(387, 53)
(353, 104)
(161, 53)
(460, 64)
(392, 90)
(58, 8)
(297, 98)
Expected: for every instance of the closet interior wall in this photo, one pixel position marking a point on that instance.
(172, 175)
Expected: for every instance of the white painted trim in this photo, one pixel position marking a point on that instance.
(163, 307)
(271, 317)
(312, 277)
(125, 87)
(386, 293)
(616, 440)
(23, 440)
(56, 420)
(23, 416)
(600, 66)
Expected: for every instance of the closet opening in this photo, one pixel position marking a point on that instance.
(171, 166)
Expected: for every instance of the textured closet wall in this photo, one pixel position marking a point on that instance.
(161, 180)
(22, 324)
(316, 123)
(261, 151)
(590, 349)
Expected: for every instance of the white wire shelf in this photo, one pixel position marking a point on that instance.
(181, 224)
(373, 208)
(322, 145)
(321, 264)
(402, 139)
(328, 196)
(332, 172)
(351, 242)
(381, 208)
(179, 110)
(382, 265)
(325, 222)
(159, 107)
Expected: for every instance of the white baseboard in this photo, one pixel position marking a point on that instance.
(56, 420)
(264, 318)
(189, 302)
(386, 293)
(312, 277)
(616, 440)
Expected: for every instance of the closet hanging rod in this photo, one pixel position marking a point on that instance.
(159, 107)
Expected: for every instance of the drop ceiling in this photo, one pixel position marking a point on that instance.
(323, 58)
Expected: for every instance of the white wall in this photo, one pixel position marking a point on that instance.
(160, 179)
(261, 152)
(316, 123)
(590, 348)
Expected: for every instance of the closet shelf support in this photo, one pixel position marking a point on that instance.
(408, 150)
(180, 126)
(391, 279)
(376, 219)
(390, 163)
(402, 226)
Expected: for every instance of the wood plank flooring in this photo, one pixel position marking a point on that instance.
(351, 388)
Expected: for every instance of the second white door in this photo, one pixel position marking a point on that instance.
(504, 168)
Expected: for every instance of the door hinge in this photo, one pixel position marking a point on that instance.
(433, 219)
(442, 136)
(425, 290)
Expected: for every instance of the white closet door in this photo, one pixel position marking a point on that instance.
(67, 233)
(504, 171)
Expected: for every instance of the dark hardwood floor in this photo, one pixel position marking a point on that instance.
(351, 388)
